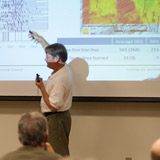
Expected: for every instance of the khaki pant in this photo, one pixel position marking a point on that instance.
(59, 125)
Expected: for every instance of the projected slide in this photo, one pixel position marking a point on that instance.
(18, 16)
(18, 58)
(120, 17)
(119, 39)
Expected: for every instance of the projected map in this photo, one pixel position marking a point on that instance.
(17, 17)
(119, 39)
(120, 16)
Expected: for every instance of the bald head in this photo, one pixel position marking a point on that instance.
(155, 150)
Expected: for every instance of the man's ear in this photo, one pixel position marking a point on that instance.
(46, 137)
(57, 59)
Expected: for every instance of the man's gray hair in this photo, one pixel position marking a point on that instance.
(32, 128)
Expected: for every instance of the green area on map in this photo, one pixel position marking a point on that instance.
(121, 11)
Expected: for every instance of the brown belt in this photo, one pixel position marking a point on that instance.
(50, 113)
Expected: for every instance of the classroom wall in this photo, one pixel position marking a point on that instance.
(103, 130)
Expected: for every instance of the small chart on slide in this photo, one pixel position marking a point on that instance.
(116, 17)
(17, 17)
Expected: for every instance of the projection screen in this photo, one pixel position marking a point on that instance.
(113, 45)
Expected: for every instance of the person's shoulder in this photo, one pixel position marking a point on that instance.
(8, 156)
(51, 155)
(42, 154)
(34, 154)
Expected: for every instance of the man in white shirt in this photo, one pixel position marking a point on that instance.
(56, 95)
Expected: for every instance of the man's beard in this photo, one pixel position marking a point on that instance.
(52, 65)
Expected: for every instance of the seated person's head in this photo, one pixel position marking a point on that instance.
(32, 129)
(155, 150)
